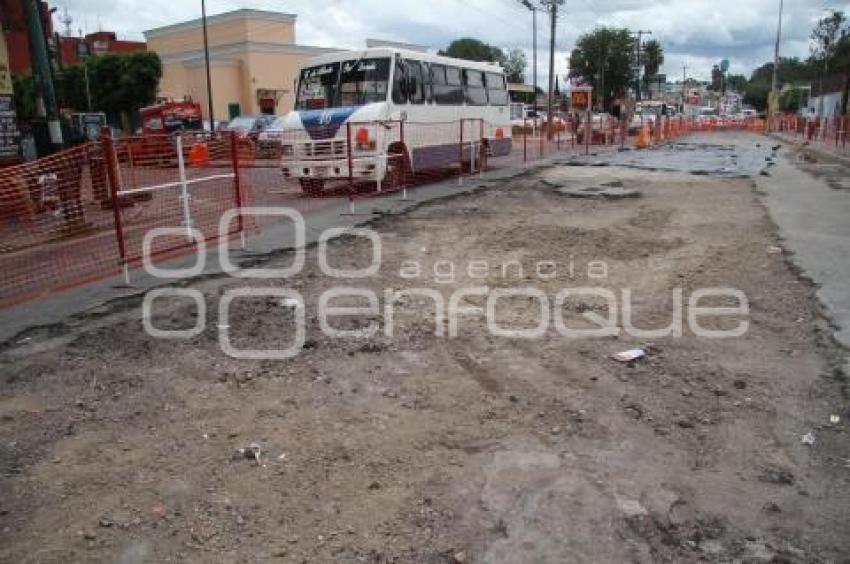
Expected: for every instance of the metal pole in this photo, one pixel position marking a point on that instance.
(46, 95)
(88, 88)
(534, 56)
(460, 155)
(553, 15)
(111, 166)
(207, 64)
(774, 84)
(237, 186)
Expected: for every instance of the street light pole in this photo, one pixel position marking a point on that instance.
(774, 84)
(207, 64)
(640, 34)
(533, 9)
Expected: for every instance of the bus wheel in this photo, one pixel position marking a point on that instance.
(398, 168)
(311, 186)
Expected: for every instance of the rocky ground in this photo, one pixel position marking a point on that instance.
(117, 447)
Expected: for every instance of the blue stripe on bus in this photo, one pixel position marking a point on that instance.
(324, 124)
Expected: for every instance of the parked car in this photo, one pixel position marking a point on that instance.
(249, 126)
(270, 140)
(219, 125)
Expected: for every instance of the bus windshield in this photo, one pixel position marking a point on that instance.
(364, 81)
(350, 83)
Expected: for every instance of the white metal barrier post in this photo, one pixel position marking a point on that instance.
(184, 189)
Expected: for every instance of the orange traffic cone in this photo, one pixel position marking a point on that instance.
(199, 154)
(643, 139)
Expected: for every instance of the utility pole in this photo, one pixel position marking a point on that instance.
(553, 19)
(533, 9)
(638, 64)
(684, 82)
(774, 84)
(207, 64)
(45, 96)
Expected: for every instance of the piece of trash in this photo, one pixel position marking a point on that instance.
(251, 451)
(834, 419)
(808, 439)
(630, 355)
(774, 250)
(290, 302)
(282, 456)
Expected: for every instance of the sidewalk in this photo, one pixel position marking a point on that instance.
(825, 149)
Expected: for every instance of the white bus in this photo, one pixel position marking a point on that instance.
(402, 111)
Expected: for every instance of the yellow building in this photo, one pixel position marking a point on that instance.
(253, 61)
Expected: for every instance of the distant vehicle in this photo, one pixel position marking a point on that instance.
(87, 126)
(219, 125)
(370, 94)
(159, 122)
(249, 126)
(169, 117)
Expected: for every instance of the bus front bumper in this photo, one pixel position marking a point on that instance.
(372, 168)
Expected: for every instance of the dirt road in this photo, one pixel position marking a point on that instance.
(117, 447)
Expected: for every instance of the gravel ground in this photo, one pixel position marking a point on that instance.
(117, 447)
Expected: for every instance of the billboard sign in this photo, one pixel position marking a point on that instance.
(10, 138)
(580, 99)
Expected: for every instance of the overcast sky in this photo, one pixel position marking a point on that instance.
(697, 33)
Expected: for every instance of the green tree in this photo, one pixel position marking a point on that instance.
(653, 58)
(792, 99)
(71, 88)
(515, 64)
(736, 82)
(473, 50)
(830, 50)
(603, 58)
(791, 71)
(121, 84)
(24, 91)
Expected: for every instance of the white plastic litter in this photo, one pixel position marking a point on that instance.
(630, 355)
(808, 439)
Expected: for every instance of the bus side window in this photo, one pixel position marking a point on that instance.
(426, 82)
(399, 83)
(415, 90)
(496, 90)
(455, 89)
(438, 84)
(476, 94)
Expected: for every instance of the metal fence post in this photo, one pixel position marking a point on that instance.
(237, 187)
(540, 133)
(482, 161)
(108, 147)
(524, 140)
(460, 155)
(348, 153)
